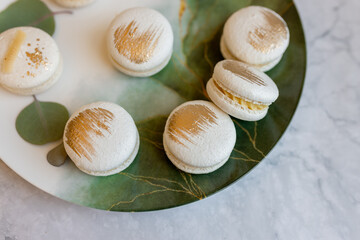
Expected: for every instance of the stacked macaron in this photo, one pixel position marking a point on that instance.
(199, 137)
(241, 91)
(140, 42)
(101, 139)
(255, 35)
(30, 60)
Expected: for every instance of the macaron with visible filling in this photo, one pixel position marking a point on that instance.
(30, 61)
(241, 91)
(199, 137)
(255, 35)
(74, 3)
(101, 139)
(140, 42)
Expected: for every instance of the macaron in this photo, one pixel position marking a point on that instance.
(241, 91)
(255, 35)
(30, 61)
(74, 3)
(199, 137)
(101, 139)
(140, 42)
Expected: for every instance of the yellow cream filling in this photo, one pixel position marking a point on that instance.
(13, 51)
(241, 101)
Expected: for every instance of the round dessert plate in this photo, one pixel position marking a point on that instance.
(151, 182)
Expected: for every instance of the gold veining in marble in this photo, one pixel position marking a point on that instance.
(137, 46)
(189, 187)
(182, 9)
(81, 130)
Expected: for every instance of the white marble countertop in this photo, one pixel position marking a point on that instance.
(308, 187)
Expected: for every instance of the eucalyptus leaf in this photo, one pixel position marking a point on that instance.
(42, 122)
(57, 156)
(33, 13)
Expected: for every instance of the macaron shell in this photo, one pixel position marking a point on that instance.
(37, 62)
(199, 136)
(262, 67)
(118, 169)
(41, 88)
(225, 51)
(74, 3)
(232, 108)
(141, 74)
(246, 82)
(192, 169)
(101, 139)
(268, 66)
(140, 40)
(256, 35)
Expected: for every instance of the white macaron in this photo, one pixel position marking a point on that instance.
(74, 3)
(255, 35)
(101, 139)
(140, 42)
(30, 60)
(199, 137)
(241, 91)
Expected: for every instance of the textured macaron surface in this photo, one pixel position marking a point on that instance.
(256, 35)
(28, 57)
(244, 81)
(100, 137)
(199, 134)
(140, 39)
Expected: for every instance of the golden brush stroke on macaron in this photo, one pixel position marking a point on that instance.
(268, 37)
(137, 47)
(190, 121)
(81, 129)
(243, 73)
(13, 51)
(239, 100)
(36, 58)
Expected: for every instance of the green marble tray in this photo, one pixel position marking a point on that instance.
(151, 182)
